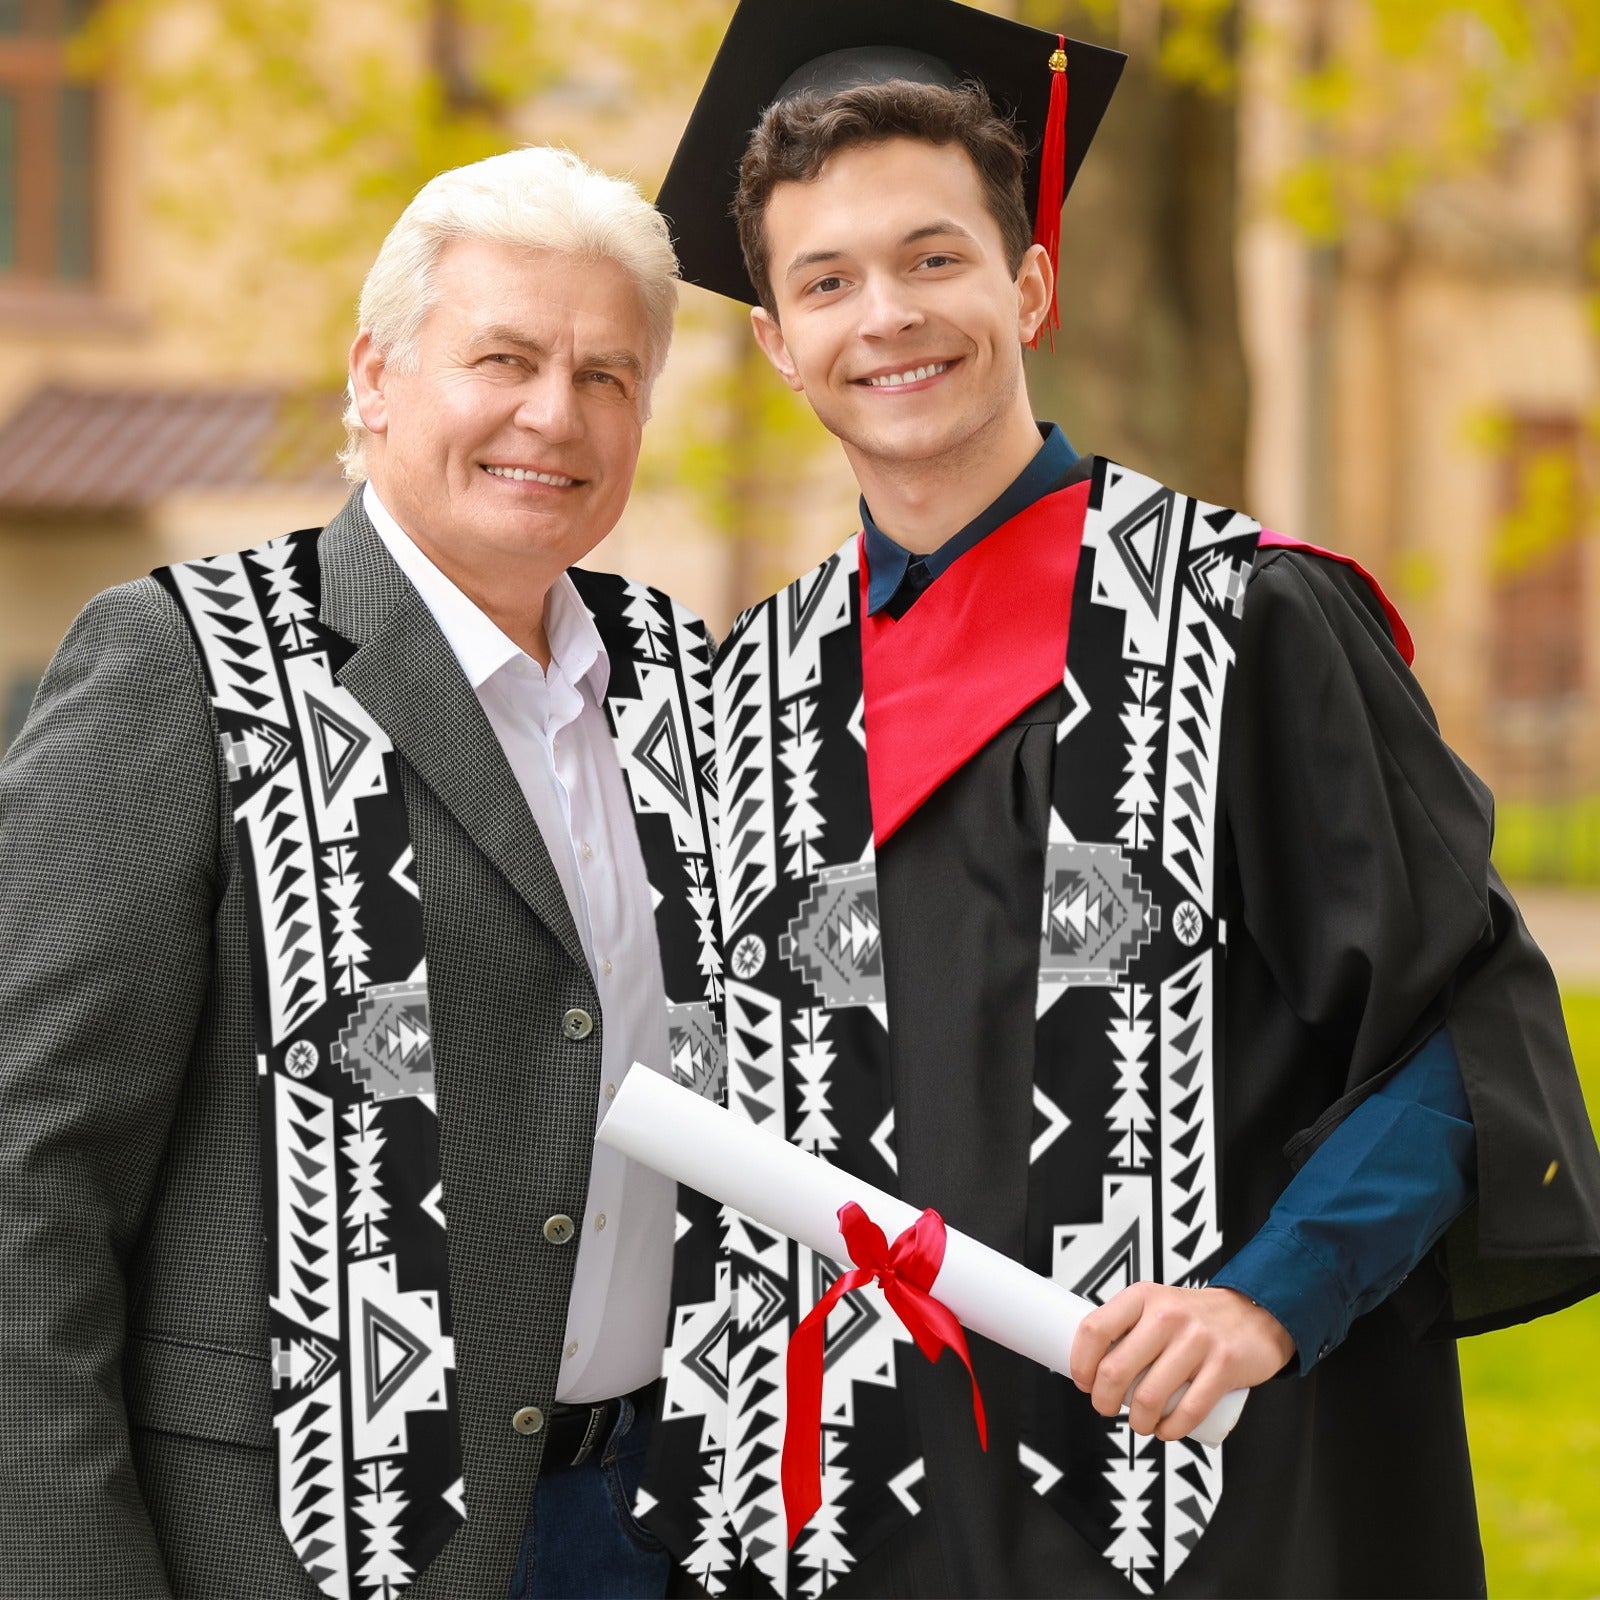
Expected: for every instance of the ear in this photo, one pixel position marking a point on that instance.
(774, 347)
(367, 373)
(1036, 282)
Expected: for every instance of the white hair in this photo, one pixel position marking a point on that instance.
(537, 197)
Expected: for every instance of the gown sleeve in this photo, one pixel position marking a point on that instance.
(1368, 1205)
(1360, 845)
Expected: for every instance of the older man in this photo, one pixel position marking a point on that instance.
(340, 881)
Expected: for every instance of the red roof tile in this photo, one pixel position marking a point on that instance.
(86, 450)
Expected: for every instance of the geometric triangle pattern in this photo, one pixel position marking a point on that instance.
(658, 707)
(349, 1147)
(400, 1359)
(835, 942)
(658, 703)
(226, 617)
(345, 749)
(338, 744)
(853, 1318)
(350, 1170)
(810, 611)
(696, 1052)
(392, 1357)
(1143, 541)
(387, 1045)
(1125, 1061)
(1153, 640)
(1097, 914)
(1136, 554)
(660, 752)
(1199, 680)
(1189, 1133)
(311, 1485)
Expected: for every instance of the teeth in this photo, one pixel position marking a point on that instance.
(912, 375)
(518, 475)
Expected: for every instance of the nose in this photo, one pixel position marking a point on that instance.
(888, 308)
(549, 406)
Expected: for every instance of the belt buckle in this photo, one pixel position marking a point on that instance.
(590, 1434)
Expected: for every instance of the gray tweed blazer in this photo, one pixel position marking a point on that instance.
(135, 1442)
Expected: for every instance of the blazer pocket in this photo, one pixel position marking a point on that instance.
(175, 1385)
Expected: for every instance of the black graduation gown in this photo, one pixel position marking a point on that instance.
(1362, 912)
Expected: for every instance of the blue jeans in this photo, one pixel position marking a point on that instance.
(581, 1541)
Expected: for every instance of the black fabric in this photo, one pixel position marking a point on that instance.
(1363, 912)
(959, 885)
(912, 587)
(1358, 849)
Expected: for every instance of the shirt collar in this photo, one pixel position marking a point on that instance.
(888, 562)
(475, 639)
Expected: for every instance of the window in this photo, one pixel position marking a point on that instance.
(47, 147)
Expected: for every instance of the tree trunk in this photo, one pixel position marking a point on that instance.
(1148, 367)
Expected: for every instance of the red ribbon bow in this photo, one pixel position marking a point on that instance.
(906, 1269)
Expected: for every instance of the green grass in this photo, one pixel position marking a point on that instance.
(1554, 842)
(1533, 1415)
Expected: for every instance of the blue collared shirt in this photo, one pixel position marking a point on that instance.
(1379, 1192)
(895, 574)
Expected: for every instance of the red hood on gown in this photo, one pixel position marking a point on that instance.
(924, 720)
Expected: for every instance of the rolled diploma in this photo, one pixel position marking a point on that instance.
(665, 1126)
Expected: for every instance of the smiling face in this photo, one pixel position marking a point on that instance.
(898, 316)
(510, 446)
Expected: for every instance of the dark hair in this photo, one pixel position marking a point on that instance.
(795, 138)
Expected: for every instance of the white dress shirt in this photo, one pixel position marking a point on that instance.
(556, 738)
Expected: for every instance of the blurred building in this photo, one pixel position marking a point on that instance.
(161, 399)
(1425, 395)
(1421, 394)
(121, 446)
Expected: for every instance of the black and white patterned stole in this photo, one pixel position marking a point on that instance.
(658, 706)
(364, 1394)
(1127, 1037)
(364, 1400)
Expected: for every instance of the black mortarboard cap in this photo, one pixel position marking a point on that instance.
(777, 48)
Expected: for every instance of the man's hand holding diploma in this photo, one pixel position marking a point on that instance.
(1214, 1340)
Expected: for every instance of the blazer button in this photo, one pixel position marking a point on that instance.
(560, 1229)
(577, 1024)
(530, 1419)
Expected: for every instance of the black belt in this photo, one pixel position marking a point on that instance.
(574, 1433)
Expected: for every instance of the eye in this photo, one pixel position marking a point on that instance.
(604, 377)
(502, 358)
(827, 285)
(937, 261)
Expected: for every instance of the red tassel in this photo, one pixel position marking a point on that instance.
(1052, 182)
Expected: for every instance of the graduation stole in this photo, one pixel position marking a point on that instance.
(1123, 1178)
(364, 1401)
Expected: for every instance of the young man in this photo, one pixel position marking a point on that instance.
(1090, 863)
(342, 881)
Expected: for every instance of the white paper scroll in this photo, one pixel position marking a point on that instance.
(671, 1129)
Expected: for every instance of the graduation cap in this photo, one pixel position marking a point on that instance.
(775, 49)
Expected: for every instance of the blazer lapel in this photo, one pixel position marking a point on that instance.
(407, 677)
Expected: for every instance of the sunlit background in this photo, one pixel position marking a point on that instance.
(1335, 262)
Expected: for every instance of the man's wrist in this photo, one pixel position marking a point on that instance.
(1278, 1273)
(1266, 1324)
